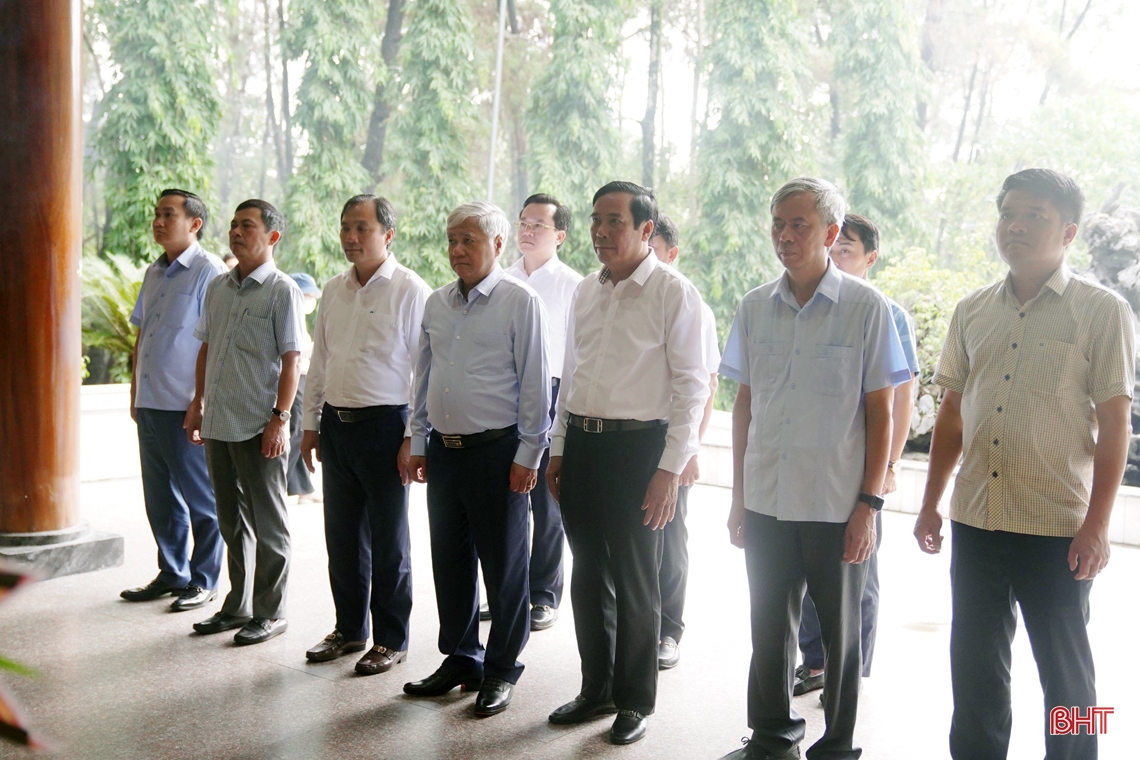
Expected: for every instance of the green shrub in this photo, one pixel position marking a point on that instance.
(110, 289)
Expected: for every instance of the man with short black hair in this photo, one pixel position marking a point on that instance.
(176, 483)
(245, 381)
(1038, 371)
(625, 427)
(542, 228)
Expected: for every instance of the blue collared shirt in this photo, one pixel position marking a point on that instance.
(168, 307)
(483, 365)
(809, 369)
(905, 329)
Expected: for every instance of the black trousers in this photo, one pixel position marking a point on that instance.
(298, 482)
(549, 541)
(990, 572)
(613, 588)
(673, 578)
(783, 557)
(366, 527)
(475, 519)
(811, 643)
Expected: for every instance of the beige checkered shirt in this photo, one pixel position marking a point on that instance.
(1030, 376)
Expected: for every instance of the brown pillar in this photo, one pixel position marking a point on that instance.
(40, 218)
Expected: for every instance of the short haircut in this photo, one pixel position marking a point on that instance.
(228, 256)
(857, 226)
(491, 218)
(273, 219)
(667, 229)
(561, 213)
(385, 211)
(828, 200)
(1062, 191)
(642, 204)
(194, 206)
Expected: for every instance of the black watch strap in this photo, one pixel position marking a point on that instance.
(277, 412)
(874, 502)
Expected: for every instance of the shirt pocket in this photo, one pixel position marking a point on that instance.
(255, 336)
(489, 353)
(178, 311)
(382, 332)
(769, 362)
(1058, 369)
(833, 371)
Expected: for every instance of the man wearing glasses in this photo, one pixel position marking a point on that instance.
(542, 228)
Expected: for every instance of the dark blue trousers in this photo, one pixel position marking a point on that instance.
(366, 527)
(549, 541)
(811, 643)
(475, 519)
(179, 501)
(297, 480)
(673, 578)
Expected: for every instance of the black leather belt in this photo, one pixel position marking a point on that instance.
(595, 425)
(475, 439)
(364, 413)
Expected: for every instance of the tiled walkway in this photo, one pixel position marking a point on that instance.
(126, 680)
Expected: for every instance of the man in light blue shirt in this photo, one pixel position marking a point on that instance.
(176, 484)
(479, 425)
(817, 357)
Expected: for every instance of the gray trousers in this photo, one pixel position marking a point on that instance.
(250, 494)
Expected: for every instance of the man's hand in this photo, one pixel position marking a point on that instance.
(859, 538)
(310, 448)
(192, 423)
(522, 478)
(736, 524)
(403, 457)
(554, 478)
(417, 469)
(1089, 550)
(274, 438)
(889, 485)
(928, 530)
(692, 472)
(660, 499)
(134, 412)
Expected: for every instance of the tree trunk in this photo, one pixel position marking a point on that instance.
(694, 122)
(966, 111)
(929, 27)
(649, 123)
(382, 109)
(287, 116)
(271, 125)
(518, 161)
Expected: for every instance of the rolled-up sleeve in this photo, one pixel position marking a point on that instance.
(533, 369)
(684, 350)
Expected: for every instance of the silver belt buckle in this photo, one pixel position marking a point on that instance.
(452, 441)
(345, 415)
(591, 425)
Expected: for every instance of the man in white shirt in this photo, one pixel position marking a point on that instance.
(356, 407)
(673, 577)
(626, 426)
(542, 227)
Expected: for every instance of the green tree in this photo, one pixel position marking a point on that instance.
(338, 41)
(430, 131)
(876, 71)
(574, 135)
(159, 118)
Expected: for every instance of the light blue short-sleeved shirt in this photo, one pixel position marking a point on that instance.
(905, 329)
(248, 324)
(809, 369)
(166, 312)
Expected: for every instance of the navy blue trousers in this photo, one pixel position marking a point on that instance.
(673, 578)
(476, 519)
(297, 480)
(366, 527)
(549, 541)
(179, 501)
(811, 643)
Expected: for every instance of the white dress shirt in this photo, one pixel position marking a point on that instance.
(555, 284)
(366, 341)
(634, 351)
(710, 348)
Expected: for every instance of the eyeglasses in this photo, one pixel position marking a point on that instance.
(533, 227)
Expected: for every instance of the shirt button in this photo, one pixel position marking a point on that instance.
(1022, 314)
(797, 352)
(788, 421)
(447, 416)
(999, 408)
(995, 442)
(994, 473)
(451, 364)
(783, 456)
(457, 337)
(447, 390)
(1007, 377)
(793, 386)
(1015, 345)
(465, 311)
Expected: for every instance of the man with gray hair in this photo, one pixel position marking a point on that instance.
(479, 425)
(817, 357)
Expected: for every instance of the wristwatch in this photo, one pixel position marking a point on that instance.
(874, 502)
(284, 416)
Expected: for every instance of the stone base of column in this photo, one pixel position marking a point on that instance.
(63, 552)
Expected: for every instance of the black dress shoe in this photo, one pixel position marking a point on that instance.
(484, 612)
(494, 696)
(542, 616)
(752, 751)
(442, 681)
(805, 681)
(379, 659)
(152, 590)
(581, 709)
(629, 726)
(332, 646)
(668, 653)
(220, 621)
(260, 629)
(193, 598)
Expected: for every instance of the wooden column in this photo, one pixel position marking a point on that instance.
(40, 238)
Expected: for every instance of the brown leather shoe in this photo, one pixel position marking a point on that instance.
(379, 659)
(332, 646)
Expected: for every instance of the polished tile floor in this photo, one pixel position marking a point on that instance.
(123, 680)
